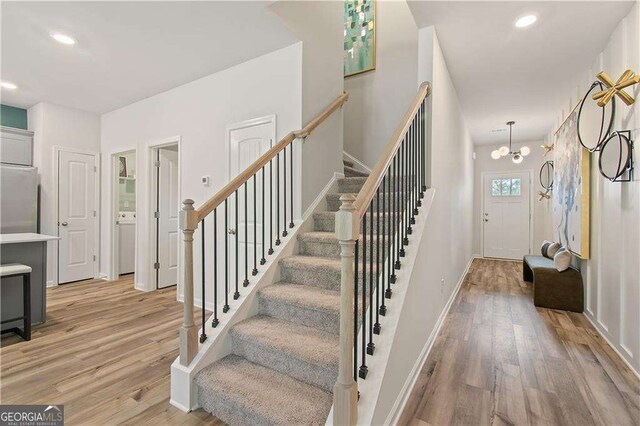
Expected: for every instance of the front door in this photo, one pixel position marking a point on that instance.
(168, 208)
(506, 215)
(247, 142)
(76, 216)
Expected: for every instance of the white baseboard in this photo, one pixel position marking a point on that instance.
(356, 162)
(606, 339)
(50, 284)
(405, 392)
(321, 196)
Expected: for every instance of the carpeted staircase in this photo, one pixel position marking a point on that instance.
(351, 171)
(284, 361)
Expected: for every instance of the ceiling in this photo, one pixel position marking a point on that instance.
(126, 51)
(506, 73)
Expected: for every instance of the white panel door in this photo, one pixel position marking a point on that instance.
(169, 206)
(76, 216)
(247, 142)
(506, 216)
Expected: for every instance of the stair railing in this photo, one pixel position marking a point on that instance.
(254, 180)
(385, 209)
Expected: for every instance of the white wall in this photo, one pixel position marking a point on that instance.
(198, 112)
(446, 249)
(612, 275)
(319, 24)
(541, 209)
(378, 99)
(57, 126)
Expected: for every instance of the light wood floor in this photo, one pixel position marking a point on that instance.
(105, 352)
(500, 360)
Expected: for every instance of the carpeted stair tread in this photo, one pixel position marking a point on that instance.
(326, 221)
(315, 298)
(304, 353)
(296, 340)
(348, 163)
(325, 244)
(303, 304)
(351, 184)
(321, 272)
(352, 172)
(240, 392)
(334, 203)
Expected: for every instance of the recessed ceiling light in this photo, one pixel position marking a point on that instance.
(526, 20)
(8, 85)
(63, 38)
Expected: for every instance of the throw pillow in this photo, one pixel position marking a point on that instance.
(562, 259)
(553, 249)
(545, 247)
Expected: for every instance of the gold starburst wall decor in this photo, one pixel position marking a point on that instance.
(627, 79)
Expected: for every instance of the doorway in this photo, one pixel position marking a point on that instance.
(166, 207)
(77, 215)
(123, 213)
(247, 141)
(506, 214)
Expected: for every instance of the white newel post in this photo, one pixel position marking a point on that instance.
(188, 331)
(345, 391)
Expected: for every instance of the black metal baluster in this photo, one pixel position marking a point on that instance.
(355, 313)
(396, 214)
(203, 335)
(376, 326)
(414, 172)
(246, 237)
(363, 367)
(409, 202)
(236, 295)
(403, 201)
(371, 347)
(278, 199)
(284, 191)
(291, 182)
(424, 151)
(263, 260)
(225, 309)
(388, 234)
(270, 207)
(215, 321)
(255, 227)
(416, 165)
(420, 156)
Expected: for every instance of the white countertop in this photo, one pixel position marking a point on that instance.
(27, 237)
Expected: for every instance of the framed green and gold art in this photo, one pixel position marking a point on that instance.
(359, 36)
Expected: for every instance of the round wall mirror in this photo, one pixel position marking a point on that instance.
(615, 155)
(594, 122)
(546, 175)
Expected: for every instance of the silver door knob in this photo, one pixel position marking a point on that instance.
(232, 231)
(64, 224)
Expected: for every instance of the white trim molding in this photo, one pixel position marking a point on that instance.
(356, 162)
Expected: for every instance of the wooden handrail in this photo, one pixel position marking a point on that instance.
(368, 190)
(239, 180)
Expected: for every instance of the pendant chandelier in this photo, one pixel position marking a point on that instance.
(503, 151)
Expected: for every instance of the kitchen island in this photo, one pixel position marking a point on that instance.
(28, 249)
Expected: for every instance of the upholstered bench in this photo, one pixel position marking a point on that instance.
(551, 288)
(17, 270)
